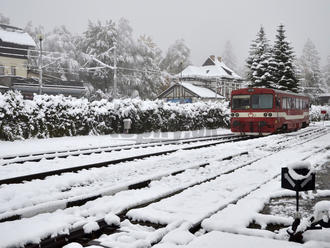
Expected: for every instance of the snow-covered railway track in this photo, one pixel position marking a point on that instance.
(66, 199)
(149, 195)
(80, 200)
(44, 174)
(193, 226)
(36, 157)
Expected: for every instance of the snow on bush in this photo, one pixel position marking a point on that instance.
(57, 116)
(315, 112)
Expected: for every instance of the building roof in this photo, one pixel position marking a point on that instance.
(200, 91)
(324, 95)
(197, 91)
(16, 36)
(212, 68)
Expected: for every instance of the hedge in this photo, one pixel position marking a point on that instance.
(56, 116)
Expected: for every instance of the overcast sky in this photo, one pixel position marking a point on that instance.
(205, 25)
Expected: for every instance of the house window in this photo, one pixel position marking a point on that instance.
(13, 70)
(2, 70)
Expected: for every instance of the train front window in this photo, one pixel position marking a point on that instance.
(241, 102)
(262, 101)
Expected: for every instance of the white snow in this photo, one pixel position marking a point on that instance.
(219, 69)
(322, 211)
(112, 219)
(73, 245)
(222, 239)
(16, 37)
(205, 200)
(300, 165)
(8, 148)
(201, 91)
(208, 198)
(178, 237)
(91, 227)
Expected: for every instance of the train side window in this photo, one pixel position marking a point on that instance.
(2, 69)
(297, 103)
(290, 103)
(284, 100)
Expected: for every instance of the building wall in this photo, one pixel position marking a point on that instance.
(17, 63)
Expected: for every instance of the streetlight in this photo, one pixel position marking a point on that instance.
(40, 64)
(115, 71)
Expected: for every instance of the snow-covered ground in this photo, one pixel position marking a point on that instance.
(219, 205)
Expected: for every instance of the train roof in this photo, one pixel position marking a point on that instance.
(270, 90)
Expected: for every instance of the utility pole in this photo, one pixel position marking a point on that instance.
(115, 71)
(40, 65)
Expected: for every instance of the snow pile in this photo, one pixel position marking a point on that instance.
(58, 116)
(322, 211)
(91, 227)
(73, 245)
(300, 165)
(179, 237)
(112, 219)
(315, 112)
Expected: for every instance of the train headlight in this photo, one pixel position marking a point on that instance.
(232, 114)
(265, 114)
(270, 114)
(237, 114)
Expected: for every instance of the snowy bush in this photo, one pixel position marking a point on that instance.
(315, 112)
(57, 116)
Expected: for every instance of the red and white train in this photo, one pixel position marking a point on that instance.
(262, 111)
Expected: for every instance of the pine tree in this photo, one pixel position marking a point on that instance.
(281, 64)
(229, 57)
(257, 62)
(310, 69)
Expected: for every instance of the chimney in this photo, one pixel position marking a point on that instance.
(219, 59)
(212, 57)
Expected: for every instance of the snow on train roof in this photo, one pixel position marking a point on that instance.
(275, 90)
(15, 35)
(216, 68)
(201, 91)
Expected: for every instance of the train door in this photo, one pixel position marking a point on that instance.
(277, 110)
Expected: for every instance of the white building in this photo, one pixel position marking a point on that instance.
(14, 45)
(213, 74)
(213, 77)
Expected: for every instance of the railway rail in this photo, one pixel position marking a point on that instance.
(36, 157)
(77, 168)
(79, 235)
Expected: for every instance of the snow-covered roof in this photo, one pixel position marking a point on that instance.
(214, 68)
(15, 36)
(201, 91)
(324, 95)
